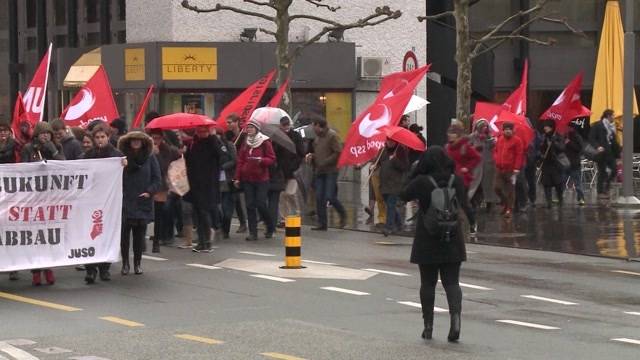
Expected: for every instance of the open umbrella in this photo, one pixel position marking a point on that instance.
(269, 115)
(403, 136)
(180, 121)
(278, 136)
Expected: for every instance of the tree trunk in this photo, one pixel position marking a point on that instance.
(463, 50)
(283, 57)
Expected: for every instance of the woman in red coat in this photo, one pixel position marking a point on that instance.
(462, 152)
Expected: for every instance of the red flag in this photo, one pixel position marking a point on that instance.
(93, 102)
(517, 101)
(275, 101)
(20, 120)
(246, 102)
(364, 140)
(567, 106)
(138, 119)
(35, 96)
(496, 115)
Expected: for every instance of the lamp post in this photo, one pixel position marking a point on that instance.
(627, 198)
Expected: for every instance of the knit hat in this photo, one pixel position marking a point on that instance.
(255, 124)
(507, 125)
(42, 127)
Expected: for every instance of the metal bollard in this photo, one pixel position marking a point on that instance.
(293, 243)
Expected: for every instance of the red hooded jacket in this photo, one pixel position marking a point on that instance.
(508, 153)
(464, 155)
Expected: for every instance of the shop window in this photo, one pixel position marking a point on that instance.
(60, 11)
(91, 7)
(31, 13)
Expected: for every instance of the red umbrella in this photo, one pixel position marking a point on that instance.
(180, 121)
(403, 136)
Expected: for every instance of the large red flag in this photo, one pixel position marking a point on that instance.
(93, 102)
(246, 102)
(20, 120)
(275, 101)
(138, 119)
(567, 106)
(364, 140)
(35, 96)
(496, 116)
(517, 101)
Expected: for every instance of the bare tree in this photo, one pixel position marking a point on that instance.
(468, 48)
(279, 13)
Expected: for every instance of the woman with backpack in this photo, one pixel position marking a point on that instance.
(438, 245)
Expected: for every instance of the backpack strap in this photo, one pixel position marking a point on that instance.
(433, 181)
(451, 180)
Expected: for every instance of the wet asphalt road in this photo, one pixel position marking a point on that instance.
(518, 304)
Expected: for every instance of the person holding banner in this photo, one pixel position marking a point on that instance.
(42, 148)
(8, 155)
(101, 149)
(141, 180)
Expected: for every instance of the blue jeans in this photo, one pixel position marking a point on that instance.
(393, 217)
(256, 197)
(326, 186)
(228, 206)
(576, 178)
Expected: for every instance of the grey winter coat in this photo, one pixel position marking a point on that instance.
(483, 174)
(393, 172)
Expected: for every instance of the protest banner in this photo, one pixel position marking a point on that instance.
(60, 213)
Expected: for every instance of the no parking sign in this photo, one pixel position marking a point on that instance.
(410, 61)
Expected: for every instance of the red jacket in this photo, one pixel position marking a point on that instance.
(249, 168)
(464, 155)
(508, 154)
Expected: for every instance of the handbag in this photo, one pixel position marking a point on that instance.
(177, 177)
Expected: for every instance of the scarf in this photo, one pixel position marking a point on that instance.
(257, 140)
(611, 129)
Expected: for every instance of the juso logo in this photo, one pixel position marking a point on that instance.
(75, 111)
(378, 117)
(96, 229)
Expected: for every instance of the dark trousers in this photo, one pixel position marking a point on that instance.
(548, 193)
(576, 177)
(450, 277)
(256, 197)
(393, 222)
(240, 209)
(273, 200)
(326, 187)
(174, 203)
(505, 188)
(136, 228)
(227, 205)
(606, 173)
(162, 222)
(530, 176)
(202, 220)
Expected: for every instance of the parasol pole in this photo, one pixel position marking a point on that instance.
(375, 164)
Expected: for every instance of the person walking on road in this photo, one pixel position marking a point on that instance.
(508, 155)
(481, 188)
(394, 165)
(552, 170)
(238, 139)
(603, 138)
(438, 249)
(574, 145)
(462, 152)
(324, 157)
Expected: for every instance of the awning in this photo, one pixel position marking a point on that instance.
(84, 68)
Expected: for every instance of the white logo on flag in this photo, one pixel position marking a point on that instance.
(81, 107)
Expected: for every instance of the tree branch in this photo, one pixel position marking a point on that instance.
(318, 3)
(260, 3)
(219, 7)
(269, 32)
(502, 39)
(385, 12)
(506, 21)
(437, 16)
(315, 18)
(564, 22)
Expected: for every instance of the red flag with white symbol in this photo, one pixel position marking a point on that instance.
(517, 101)
(93, 102)
(496, 116)
(567, 106)
(35, 96)
(246, 102)
(364, 139)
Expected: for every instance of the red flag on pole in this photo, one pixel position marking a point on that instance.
(35, 96)
(517, 101)
(138, 119)
(93, 102)
(364, 139)
(20, 120)
(496, 116)
(567, 106)
(275, 101)
(246, 102)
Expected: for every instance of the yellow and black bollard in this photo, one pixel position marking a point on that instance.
(293, 243)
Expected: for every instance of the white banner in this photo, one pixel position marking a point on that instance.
(60, 213)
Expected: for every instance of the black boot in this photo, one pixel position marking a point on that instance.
(125, 267)
(90, 278)
(136, 268)
(454, 331)
(105, 275)
(156, 246)
(428, 327)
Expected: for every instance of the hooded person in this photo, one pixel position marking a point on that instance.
(141, 180)
(481, 188)
(430, 252)
(553, 175)
(462, 152)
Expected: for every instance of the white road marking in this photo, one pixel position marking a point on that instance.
(632, 313)
(419, 306)
(52, 350)
(19, 342)
(628, 341)
(626, 272)
(154, 258)
(274, 278)
(255, 253)
(345, 291)
(387, 272)
(471, 286)
(526, 324)
(318, 262)
(562, 302)
(16, 353)
(208, 267)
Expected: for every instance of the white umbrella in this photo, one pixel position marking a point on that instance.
(416, 103)
(269, 115)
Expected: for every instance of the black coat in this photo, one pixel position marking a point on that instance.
(72, 148)
(203, 170)
(288, 161)
(141, 175)
(36, 151)
(277, 177)
(166, 154)
(8, 152)
(427, 249)
(102, 153)
(393, 172)
(552, 173)
(573, 149)
(598, 137)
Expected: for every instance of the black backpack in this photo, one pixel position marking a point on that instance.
(441, 217)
